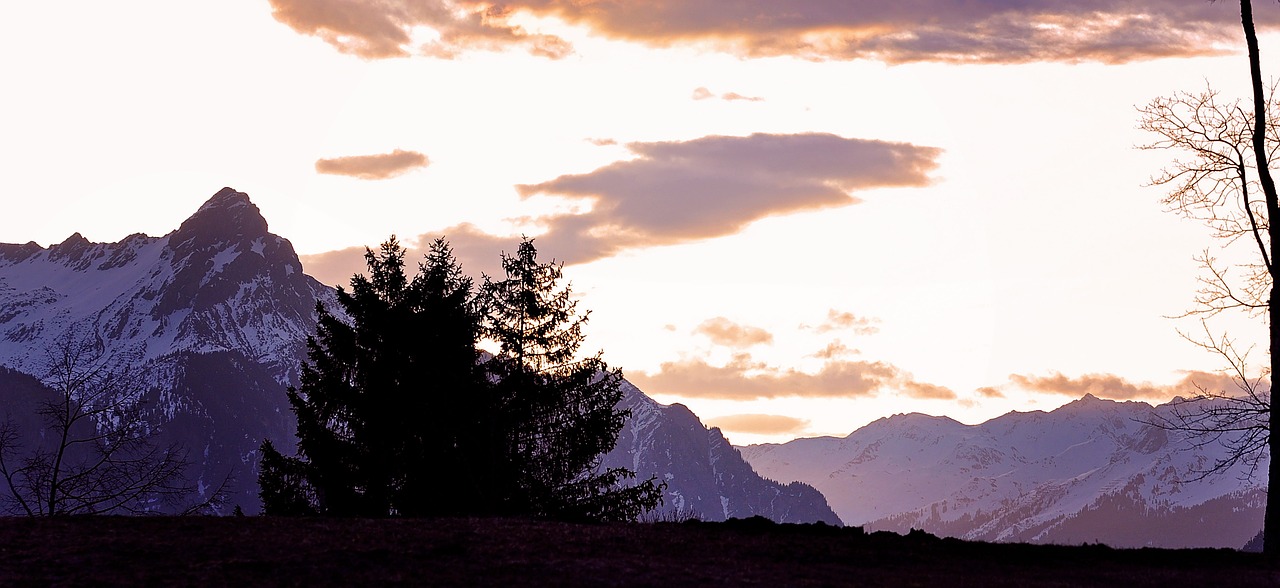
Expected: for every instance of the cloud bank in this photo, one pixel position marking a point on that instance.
(373, 167)
(991, 31)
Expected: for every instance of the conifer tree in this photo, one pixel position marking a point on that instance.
(389, 398)
(559, 412)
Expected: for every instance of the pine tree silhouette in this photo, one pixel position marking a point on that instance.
(559, 411)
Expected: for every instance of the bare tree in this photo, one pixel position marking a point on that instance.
(1227, 184)
(1234, 419)
(94, 452)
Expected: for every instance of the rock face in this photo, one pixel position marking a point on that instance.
(706, 476)
(212, 320)
(1090, 471)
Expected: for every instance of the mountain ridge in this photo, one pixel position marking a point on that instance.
(1061, 476)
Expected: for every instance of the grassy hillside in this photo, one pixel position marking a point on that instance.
(272, 551)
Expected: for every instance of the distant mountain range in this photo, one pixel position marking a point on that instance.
(1090, 471)
(212, 320)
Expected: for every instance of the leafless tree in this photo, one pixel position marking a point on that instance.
(1226, 183)
(1218, 186)
(1235, 419)
(94, 452)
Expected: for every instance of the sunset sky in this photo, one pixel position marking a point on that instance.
(793, 217)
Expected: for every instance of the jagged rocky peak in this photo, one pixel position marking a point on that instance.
(15, 253)
(74, 242)
(226, 218)
(222, 231)
(223, 246)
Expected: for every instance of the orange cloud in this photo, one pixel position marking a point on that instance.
(846, 321)
(835, 349)
(743, 378)
(989, 392)
(703, 94)
(733, 96)
(373, 167)
(335, 268)
(1117, 388)
(995, 31)
(377, 29)
(760, 424)
(927, 391)
(723, 331)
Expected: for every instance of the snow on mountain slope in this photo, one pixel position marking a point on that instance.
(1092, 470)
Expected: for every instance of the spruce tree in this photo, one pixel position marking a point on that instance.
(559, 412)
(389, 399)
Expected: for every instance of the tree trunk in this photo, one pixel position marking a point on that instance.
(1271, 522)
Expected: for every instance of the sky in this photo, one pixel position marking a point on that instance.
(794, 218)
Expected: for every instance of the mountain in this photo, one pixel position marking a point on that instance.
(706, 476)
(211, 322)
(1090, 471)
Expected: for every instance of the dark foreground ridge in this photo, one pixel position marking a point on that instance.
(508, 552)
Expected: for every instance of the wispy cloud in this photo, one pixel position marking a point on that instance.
(995, 31)
(373, 167)
(834, 350)
(734, 96)
(846, 321)
(759, 424)
(702, 93)
(723, 331)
